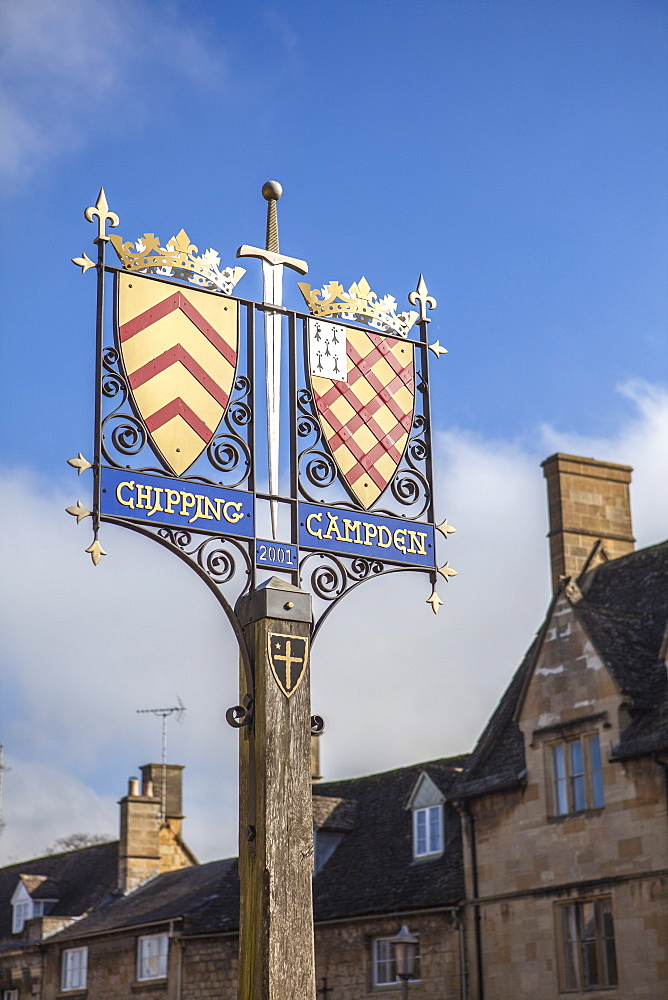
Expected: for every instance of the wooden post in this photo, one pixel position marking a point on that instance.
(276, 957)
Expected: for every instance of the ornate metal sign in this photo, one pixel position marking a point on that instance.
(327, 481)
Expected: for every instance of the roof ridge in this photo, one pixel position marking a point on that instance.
(56, 854)
(395, 770)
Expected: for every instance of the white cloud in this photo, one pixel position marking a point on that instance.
(76, 70)
(85, 647)
(51, 804)
(641, 442)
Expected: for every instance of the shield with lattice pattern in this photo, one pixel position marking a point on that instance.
(366, 419)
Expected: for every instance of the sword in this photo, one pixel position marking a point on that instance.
(272, 283)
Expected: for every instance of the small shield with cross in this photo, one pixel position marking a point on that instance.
(288, 656)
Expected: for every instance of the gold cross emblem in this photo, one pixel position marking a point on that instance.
(288, 655)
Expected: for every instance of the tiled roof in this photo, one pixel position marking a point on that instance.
(78, 879)
(194, 894)
(371, 871)
(332, 813)
(624, 611)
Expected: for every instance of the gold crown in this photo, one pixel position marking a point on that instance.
(177, 260)
(358, 303)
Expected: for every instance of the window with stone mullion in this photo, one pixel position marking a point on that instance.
(588, 944)
(577, 775)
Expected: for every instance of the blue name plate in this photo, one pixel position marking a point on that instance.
(281, 555)
(370, 535)
(141, 496)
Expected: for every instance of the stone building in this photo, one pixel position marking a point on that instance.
(537, 866)
(564, 798)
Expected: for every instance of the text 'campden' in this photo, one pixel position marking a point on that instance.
(333, 527)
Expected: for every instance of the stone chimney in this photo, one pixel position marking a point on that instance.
(172, 776)
(150, 843)
(588, 503)
(139, 848)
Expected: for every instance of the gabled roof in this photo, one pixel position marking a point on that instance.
(371, 871)
(624, 611)
(78, 879)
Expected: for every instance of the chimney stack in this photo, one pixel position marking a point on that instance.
(149, 844)
(139, 848)
(588, 502)
(171, 775)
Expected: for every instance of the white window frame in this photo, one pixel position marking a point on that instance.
(433, 832)
(21, 912)
(381, 957)
(74, 969)
(10, 994)
(152, 955)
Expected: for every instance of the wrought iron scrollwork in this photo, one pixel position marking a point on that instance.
(128, 436)
(215, 556)
(330, 577)
(316, 465)
(241, 715)
(229, 452)
(113, 382)
(337, 574)
(317, 725)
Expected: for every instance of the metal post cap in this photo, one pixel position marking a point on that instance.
(275, 598)
(272, 190)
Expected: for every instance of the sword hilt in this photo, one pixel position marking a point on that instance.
(272, 191)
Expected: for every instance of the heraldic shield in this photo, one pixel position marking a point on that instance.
(366, 419)
(288, 656)
(179, 348)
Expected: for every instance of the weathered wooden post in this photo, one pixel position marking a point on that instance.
(276, 959)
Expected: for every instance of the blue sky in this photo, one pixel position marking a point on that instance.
(513, 152)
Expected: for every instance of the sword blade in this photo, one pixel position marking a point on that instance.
(272, 279)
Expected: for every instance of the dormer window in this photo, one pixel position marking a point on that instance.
(24, 907)
(427, 831)
(426, 804)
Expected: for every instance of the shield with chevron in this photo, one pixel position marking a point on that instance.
(179, 348)
(365, 408)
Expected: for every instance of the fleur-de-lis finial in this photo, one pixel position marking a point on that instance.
(101, 210)
(426, 301)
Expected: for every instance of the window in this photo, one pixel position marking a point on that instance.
(10, 995)
(427, 831)
(74, 969)
(588, 944)
(22, 911)
(577, 775)
(384, 969)
(152, 956)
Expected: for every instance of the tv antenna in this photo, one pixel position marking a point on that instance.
(164, 714)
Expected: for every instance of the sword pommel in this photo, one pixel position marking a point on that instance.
(272, 191)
